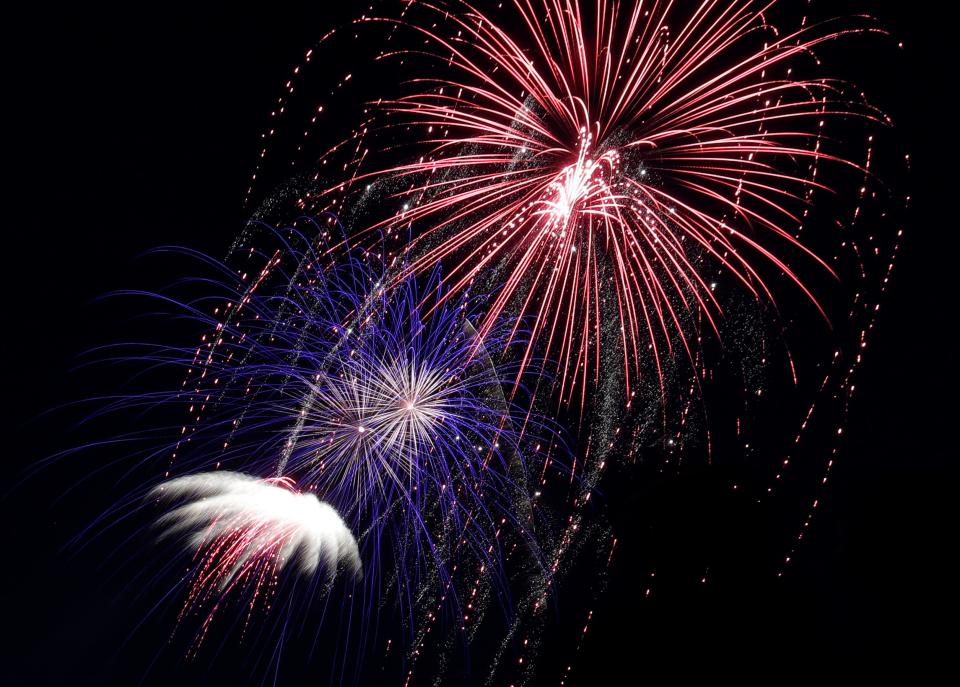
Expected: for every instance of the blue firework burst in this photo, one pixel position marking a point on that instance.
(383, 402)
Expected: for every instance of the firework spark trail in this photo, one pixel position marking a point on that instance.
(611, 163)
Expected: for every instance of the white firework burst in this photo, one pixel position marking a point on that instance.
(244, 524)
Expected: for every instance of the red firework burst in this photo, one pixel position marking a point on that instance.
(607, 162)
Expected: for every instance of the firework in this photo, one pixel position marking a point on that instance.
(609, 165)
(245, 526)
(381, 401)
(406, 408)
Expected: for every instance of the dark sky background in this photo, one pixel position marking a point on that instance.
(136, 125)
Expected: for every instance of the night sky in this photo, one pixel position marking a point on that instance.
(137, 125)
